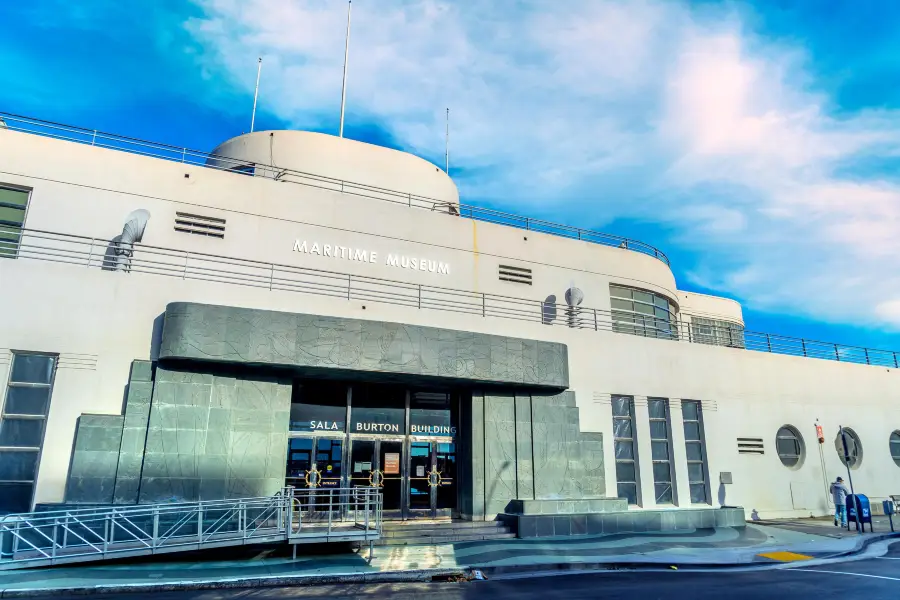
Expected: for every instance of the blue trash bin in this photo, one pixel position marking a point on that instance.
(859, 511)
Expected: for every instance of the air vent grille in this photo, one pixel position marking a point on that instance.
(199, 225)
(515, 274)
(750, 446)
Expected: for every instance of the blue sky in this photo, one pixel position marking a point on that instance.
(757, 144)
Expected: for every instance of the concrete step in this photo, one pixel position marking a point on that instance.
(443, 539)
(444, 531)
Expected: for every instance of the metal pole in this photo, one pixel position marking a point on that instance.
(856, 504)
(255, 95)
(447, 145)
(346, 58)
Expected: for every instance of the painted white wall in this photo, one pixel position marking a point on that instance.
(71, 309)
(338, 158)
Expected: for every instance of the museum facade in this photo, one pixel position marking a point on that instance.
(296, 309)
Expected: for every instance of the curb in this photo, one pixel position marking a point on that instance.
(409, 576)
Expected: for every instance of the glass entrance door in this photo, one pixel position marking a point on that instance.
(432, 480)
(378, 463)
(315, 463)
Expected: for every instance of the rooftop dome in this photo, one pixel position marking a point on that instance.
(304, 155)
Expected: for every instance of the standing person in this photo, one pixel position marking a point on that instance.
(839, 493)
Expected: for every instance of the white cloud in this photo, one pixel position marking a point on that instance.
(642, 109)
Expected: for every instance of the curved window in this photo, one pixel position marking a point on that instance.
(895, 447)
(854, 448)
(790, 448)
(640, 312)
(716, 332)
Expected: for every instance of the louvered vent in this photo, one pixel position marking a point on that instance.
(515, 274)
(750, 446)
(199, 225)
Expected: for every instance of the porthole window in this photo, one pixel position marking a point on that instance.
(790, 447)
(854, 448)
(895, 447)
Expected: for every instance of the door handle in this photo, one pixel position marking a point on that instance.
(434, 478)
(313, 477)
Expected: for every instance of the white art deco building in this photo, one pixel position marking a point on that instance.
(302, 309)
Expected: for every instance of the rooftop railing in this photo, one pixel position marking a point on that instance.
(96, 253)
(100, 139)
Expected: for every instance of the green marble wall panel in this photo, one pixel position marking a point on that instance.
(530, 448)
(95, 457)
(248, 336)
(214, 436)
(524, 448)
(134, 433)
(499, 452)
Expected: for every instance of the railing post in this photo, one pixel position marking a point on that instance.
(183, 153)
(896, 366)
(91, 254)
(483, 306)
(803, 343)
(200, 523)
(420, 296)
(595, 320)
(769, 342)
(348, 287)
(184, 273)
(94, 139)
(55, 541)
(527, 224)
(410, 199)
(867, 356)
(330, 508)
(271, 275)
(837, 355)
(155, 526)
(106, 535)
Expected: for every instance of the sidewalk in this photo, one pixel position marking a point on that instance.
(245, 567)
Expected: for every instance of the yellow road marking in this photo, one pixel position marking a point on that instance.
(785, 556)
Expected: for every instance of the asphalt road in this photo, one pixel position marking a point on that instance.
(872, 578)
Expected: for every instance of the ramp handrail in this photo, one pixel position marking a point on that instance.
(76, 535)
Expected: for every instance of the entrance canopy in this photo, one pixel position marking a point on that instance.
(318, 346)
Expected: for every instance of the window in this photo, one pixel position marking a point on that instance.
(854, 448)
(718, 333)
(198, 225)
(895, 447)
(790, 448)
(13, 202)
(661, 449)
(695, 450)
(639, 312)
(623, 442)
(22, 427)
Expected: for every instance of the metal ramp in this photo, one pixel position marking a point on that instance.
(92, 534)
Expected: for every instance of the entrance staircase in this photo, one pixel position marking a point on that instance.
(404, 533)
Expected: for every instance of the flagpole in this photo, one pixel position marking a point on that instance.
(255, 95)
(346, 57)
(447, 145)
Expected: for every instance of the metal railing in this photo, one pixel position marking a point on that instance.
(97, 253)
(205, 159)
(79, 535)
